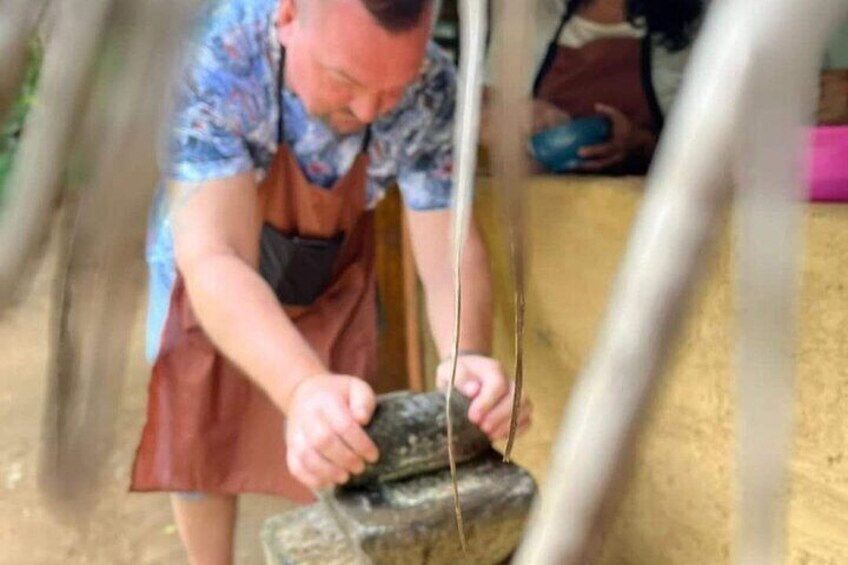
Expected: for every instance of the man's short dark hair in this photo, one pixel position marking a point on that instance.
(397, 15)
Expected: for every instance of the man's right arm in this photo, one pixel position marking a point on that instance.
(216, 230)
(216, 240)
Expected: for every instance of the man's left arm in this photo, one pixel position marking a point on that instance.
(425, 180)
(479, 377)
(432, 244)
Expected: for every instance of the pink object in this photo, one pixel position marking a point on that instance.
(827, 173)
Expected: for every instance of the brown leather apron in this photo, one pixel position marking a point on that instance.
(209, 429)
(614, 71)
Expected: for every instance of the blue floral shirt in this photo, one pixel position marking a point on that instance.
(226, 122)
(227, 116)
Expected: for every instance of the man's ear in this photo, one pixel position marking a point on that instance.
(286, 16)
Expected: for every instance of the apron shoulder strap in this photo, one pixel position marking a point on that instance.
(281, 76)
(366, 139)
(648, 82)
(550, 55)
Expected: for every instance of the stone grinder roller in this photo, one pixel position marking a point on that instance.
(400, 509)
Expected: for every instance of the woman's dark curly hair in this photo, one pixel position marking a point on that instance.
(674, 22)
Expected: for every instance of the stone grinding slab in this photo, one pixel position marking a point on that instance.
(411, 522)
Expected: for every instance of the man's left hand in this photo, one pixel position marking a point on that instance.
(491, 392)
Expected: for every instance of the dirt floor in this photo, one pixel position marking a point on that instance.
(126, 528)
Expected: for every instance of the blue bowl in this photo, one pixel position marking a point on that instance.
(557, 148)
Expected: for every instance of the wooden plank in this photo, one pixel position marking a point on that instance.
(414, 355)
(392, 354)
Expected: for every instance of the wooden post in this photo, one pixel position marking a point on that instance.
(414, 359)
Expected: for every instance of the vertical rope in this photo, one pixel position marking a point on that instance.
(473, 24)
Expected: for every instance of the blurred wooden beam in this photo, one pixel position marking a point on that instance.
(414, 358)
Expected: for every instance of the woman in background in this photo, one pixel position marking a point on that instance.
(622, 59)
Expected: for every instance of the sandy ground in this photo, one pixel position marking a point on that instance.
(126, 528)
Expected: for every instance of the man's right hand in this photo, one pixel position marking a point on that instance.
(326, 442)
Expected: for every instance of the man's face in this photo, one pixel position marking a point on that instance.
(345, 68)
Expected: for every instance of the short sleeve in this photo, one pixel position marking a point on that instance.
(218, 96)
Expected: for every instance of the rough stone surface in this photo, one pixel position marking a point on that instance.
(411, 522)
(410, 431)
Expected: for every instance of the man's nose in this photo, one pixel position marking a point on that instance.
(366, 107)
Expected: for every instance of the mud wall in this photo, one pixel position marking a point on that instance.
(677, 508)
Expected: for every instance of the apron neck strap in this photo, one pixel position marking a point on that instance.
(550, 55)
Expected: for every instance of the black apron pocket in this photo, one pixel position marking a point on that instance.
(298, 269)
